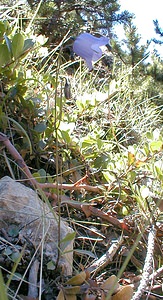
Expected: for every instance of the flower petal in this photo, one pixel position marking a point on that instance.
(97, 52)
(89, 63)
(87, 46)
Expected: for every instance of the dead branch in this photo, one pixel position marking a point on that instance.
(105, 259)
(19, 160)
(71, 187)
(21, 163)
(157, 273)
(33, 274)
(97, 212)
(148, 266)
(60, 186)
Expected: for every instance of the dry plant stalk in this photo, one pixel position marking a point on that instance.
(33, 273)
(148, 266)
(105, 259)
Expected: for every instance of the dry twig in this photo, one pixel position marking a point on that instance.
(21, 163)
(33, 274)
(148, 266)
(105, 259)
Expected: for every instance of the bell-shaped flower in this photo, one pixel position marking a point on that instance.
(89, 47)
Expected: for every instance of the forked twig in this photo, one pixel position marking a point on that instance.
(21, 163)
(79, 185)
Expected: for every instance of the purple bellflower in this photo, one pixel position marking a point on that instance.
(88, 46)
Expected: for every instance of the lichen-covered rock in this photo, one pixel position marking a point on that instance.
(20, 205)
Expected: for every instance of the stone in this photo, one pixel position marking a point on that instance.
(36, 220)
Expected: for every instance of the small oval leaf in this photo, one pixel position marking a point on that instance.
(74, 290)
(125, 293)
(51, 265)
(28, 44)
(17, 45)
(40, 127)
(8, 43)
(69, 237)
(156, 146)
(5, 56)
(131, 158)
(60, 296)
(77, 279)
(2, 28)
(111, 282)
(13, 230)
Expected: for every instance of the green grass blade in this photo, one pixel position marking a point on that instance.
(3, 294)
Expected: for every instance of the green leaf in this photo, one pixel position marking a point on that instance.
(158, 170)
(80, 105)
(87, 142)
(69, 237)
(17, 45)
(42, 144)
(131, 176)
(16, 276)
(13, 272)
(101, 161)
(5, 56)
(40, 128)
(13, 230)
(50, 265)
(42, 174)
(2, 29)
(28, 44)
(131, 158)
(156, 146)
(7, 251)
(15, 256)
(65, 135)
(125, 211)
(85, 252)
(100, 143)
(21, 129)
(109, 176)
(36, 175)
(8, 43)
(8, 28)
(3, 294)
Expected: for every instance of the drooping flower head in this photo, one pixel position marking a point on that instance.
(88, 47)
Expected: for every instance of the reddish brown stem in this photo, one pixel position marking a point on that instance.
(71, 187)
(19, 160)
(21, 163)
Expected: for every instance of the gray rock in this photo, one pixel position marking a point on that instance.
(20, 205)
